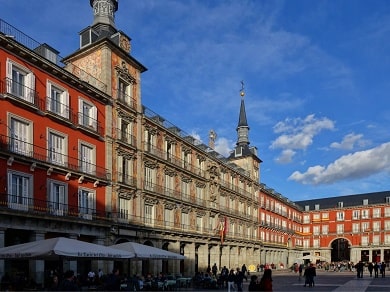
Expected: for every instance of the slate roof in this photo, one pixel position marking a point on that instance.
(348, 201)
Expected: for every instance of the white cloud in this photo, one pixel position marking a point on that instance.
(286, 156)
(298, 134)
(223, 146)
(349, 141)
(352, 166)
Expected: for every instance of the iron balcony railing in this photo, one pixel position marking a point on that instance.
(125, 99)
(23, 148)
(18, 92)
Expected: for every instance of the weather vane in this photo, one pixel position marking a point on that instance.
(242, 93)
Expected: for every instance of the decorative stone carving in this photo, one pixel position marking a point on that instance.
(124, 73)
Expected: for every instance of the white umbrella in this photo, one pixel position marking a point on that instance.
(143, 251)
(313, 258)
(62, 247)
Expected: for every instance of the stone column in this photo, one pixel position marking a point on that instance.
(225, 256)
(189, 266)
(37, 267)
(214, 255)
(203, 253)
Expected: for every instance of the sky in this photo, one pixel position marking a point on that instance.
(315, 73)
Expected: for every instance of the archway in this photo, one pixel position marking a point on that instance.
(340, 250)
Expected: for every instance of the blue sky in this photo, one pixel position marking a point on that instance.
(316, 77)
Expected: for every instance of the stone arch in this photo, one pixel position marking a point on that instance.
(340, 249)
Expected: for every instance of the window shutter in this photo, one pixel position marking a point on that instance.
(9, 76)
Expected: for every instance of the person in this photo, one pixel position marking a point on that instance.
(253, 284)
(376, 268)
(113, 282)
(54, 285)
(231, 280)
(239, 279)
(91, 278)
(266, 281)
(300, 269)
(370, 268)
(214, 269)
(69, 283)
(224, 275)
(244, 271)
(309, 274)
(359, 269)
(383, 268)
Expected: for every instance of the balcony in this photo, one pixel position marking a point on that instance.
(125, 137)
(12, 146)
(125, 99)
(19, 92)
(90, 124)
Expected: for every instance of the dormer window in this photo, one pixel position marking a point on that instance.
(340, 204)
(365, 202)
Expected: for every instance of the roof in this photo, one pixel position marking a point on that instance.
(348, 201)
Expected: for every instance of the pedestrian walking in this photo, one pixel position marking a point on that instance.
(231, 280)
(383, 269)
(266, 281)
(376, 268)
(370, 268)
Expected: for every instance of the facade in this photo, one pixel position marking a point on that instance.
(82, 157)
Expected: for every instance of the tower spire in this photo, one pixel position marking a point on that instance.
(242, 128)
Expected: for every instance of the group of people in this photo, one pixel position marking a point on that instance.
(264, 284)
(377, 267)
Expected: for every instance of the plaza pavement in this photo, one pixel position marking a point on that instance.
(325, 281)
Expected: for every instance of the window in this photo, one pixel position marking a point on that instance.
(148, 214)
(126, 132)
(356, 214)
(57, 100)
(169, 148)
(365, 214)
(87, 158)
(340, 216)
(20, 187)
(325, 229)
(125, 92)
(376, 213)
(317, 207)
(57, 197)
(365, 226)
(168, 217)
(184, 220)
(186, 159)
(57, 148)
(306, 229)
(356, 227)
(387, 212)
(125, 170)
(86, 203)
(387, 225)
(325, 216)
(124, 207)
(306, 219)
(376, 226)
(21, 137)
(199, 195)
(316, 242)
(364, 240)
(340, 204)
(20, 82)
(149, 178)
(87, 115)
(316, 230)
(185, 188)
(149, 141)
(365, 202)
(340, 228)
